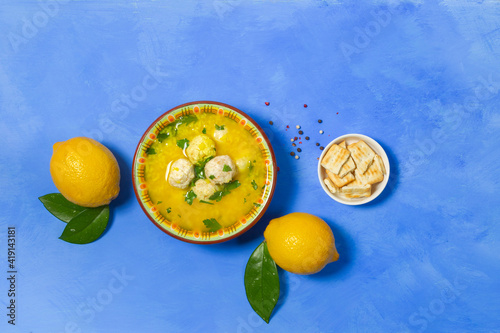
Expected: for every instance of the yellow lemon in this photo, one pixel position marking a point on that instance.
(301, 243)
(85, 172)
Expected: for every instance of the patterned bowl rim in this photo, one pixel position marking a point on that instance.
(247, 225)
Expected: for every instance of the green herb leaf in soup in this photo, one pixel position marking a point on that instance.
(150, 151)
(190, 196)
(212, 225)
(162, 136)
(226, 168)
(219, 128)
(204, 130)
(183, 144)
(171, 129)
(254, 185)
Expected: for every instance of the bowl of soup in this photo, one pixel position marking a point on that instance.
(204, 172)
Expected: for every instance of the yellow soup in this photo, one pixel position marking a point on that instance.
(230, 138)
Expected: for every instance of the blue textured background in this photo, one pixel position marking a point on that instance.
(420, 77)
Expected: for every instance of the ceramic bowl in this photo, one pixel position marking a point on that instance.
(141, 189)
(376, 188)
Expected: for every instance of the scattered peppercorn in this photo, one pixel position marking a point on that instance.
(292, 139)
(317, 143)
(320, 121)
(321, 132)
(301, 132)
(297, 127)
(292, 153)
(307, 138)
(299, 150)
(270, 123)
(295, 138)
(305, 105)
(321, 148)
(293, 144)
(297, 157)
(267, 103)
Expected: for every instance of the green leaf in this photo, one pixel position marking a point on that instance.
(60, 207)
(212, 177)
(204, 130)
(217, 196)
(190, 197)
(219, 128)
(226, 168)
(163, 136)
(206, 202)
(254, 185)
(169, 209)
(183, 144)
(262, 284)
(150, 151)
(87, 226)
(159, 202)
(186, 120)
(212, 225)
(256, 204)
(250, 166)
(232, 185)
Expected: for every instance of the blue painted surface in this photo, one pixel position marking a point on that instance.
(420, 77)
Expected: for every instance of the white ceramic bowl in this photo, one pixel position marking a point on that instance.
(376, 188)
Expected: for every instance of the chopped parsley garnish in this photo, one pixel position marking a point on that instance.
(206, 202)
(212, 225)
(150, 151)
(183, 144)
(199, 170)
(232, 185)
(256, 204)
(189, 197)
(162, 136)
(219, 128)
(159, 202)
(250, 166)
(244, 200)
(226, 168)
(217, 196)
(171, 129)
(204, 130)
(211, 177)
(254, 185)
(169, 209)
